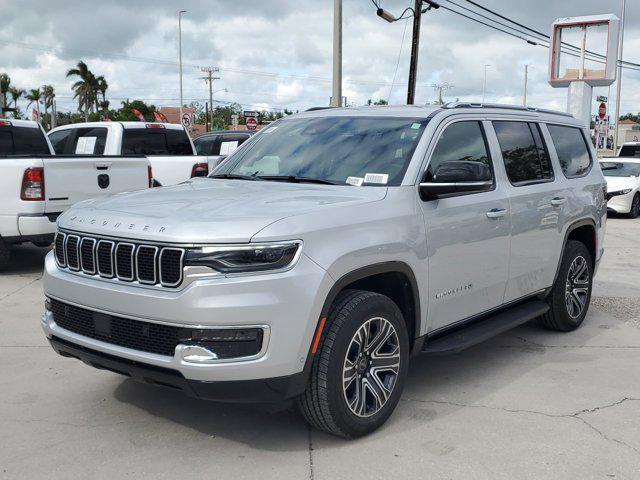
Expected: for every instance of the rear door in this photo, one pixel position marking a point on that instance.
(71, 179)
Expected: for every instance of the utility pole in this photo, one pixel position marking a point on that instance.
(415, 46)
(484, 82)
(336, 97)
(210, 78)
(440, 87)
(618, 86)
(526, 75)
(180, 56)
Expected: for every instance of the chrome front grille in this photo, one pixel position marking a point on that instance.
(122, 260)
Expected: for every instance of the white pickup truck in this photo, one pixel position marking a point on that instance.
(36, 186)
(167, 146)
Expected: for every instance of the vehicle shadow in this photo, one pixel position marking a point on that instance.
(471, 375)
(26, 259)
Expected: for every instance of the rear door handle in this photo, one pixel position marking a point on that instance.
(497, 212)
(558, 201)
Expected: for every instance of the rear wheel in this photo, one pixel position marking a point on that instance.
(359, 371)
(635, 207)
(5, 254)
(571, 293)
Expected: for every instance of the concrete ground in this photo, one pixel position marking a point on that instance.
(530, 404)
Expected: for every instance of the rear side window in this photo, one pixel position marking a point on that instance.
(59, 140)
(209, 145)
(461, 143)
(572, 150)
(23, 141)
(525, 157)
(152, 141)
(88, 141)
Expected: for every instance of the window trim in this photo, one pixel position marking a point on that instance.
(526, 183)
(430, 153)
(586, 144)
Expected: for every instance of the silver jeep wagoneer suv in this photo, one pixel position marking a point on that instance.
(329, 249)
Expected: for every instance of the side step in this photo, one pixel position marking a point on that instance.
(484, 329)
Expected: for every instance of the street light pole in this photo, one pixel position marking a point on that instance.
(526, 78)
(618, 86)
(336, 97)
(484, 82)
(180, 55)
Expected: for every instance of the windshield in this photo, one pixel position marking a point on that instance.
(620, 169)
(341, 150)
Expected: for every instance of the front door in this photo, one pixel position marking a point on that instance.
(468, 236)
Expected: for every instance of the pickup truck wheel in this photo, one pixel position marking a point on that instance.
(359, 371)
(5, 254)
(571, 294)
(635, 207)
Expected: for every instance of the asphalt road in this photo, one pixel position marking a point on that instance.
(529, 404)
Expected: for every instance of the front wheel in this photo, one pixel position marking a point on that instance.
(635, 207)
(359, 372)
(570, 295)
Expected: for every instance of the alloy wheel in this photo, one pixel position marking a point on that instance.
(371, 367)
(577, 287)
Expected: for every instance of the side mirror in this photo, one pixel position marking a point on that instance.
(456, 177)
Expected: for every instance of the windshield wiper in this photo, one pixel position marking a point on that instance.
(296, 179)
(235, 176)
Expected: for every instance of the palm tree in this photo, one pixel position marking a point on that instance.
(101, 86)
(48, 95)
(84, 88)
(16, 93)
(34, 96)
(5, 82)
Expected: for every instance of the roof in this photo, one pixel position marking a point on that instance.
(135, 124)
(21, 123)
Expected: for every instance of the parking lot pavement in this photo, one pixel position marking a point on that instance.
(527, 404)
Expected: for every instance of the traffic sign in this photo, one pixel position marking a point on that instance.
(186, 120)
(252, 123)
(250, 113)
(602, 98)
(602, 110)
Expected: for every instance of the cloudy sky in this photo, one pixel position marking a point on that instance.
(277, 53)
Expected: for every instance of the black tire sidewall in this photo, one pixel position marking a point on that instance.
(635, 206)
(373, 306)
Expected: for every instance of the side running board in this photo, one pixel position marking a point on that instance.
(485, 328)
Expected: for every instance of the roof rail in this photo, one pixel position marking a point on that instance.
(313, 109)
(502, 106)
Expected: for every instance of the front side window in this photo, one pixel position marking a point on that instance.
(525, 157)
(462, 144)
(59, 140)
(572, 150)
(354, 150)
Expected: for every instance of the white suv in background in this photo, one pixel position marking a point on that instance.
(623, 184)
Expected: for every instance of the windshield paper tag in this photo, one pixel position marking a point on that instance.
(357, 181)
(415, 126)
(379, 178)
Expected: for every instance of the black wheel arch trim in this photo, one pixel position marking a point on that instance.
(574, 226)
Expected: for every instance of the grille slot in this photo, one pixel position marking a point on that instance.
(170, 266)
(71, 249)
(59, 249)
(146, 264)
(124, 261)
(104, 254)
(87, 255)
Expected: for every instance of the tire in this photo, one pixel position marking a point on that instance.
(635, 207)
(567, 300)
(328, 406)
(5, 254)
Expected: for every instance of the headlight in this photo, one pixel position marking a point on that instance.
(255, 257)
(625, 191)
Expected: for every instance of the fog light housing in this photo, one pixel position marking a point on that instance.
(210, 345)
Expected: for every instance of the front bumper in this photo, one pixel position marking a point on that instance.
(621, 203)
(287, 303)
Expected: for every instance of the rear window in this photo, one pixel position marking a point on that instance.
(572, 150)
(23, 141)
(152, 141)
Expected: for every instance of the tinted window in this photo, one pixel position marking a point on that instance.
(572, 150)
(463, 143)
(209, 145)
(332, 149)
(630, 151)
(152, 141)
(26, 141)
(525, 157)
(59, 140)
(88, 141)
(220, 144)
(619, 169)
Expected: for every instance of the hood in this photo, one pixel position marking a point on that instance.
(207, 210)
(615, 184)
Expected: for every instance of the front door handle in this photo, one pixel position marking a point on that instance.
(497, 212)
(558, 201)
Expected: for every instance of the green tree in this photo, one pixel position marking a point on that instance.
(125, 114)
(48, 94)
(377, 102)
(16, 93)
(5, 83)
(34, 96)
(85, 88)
